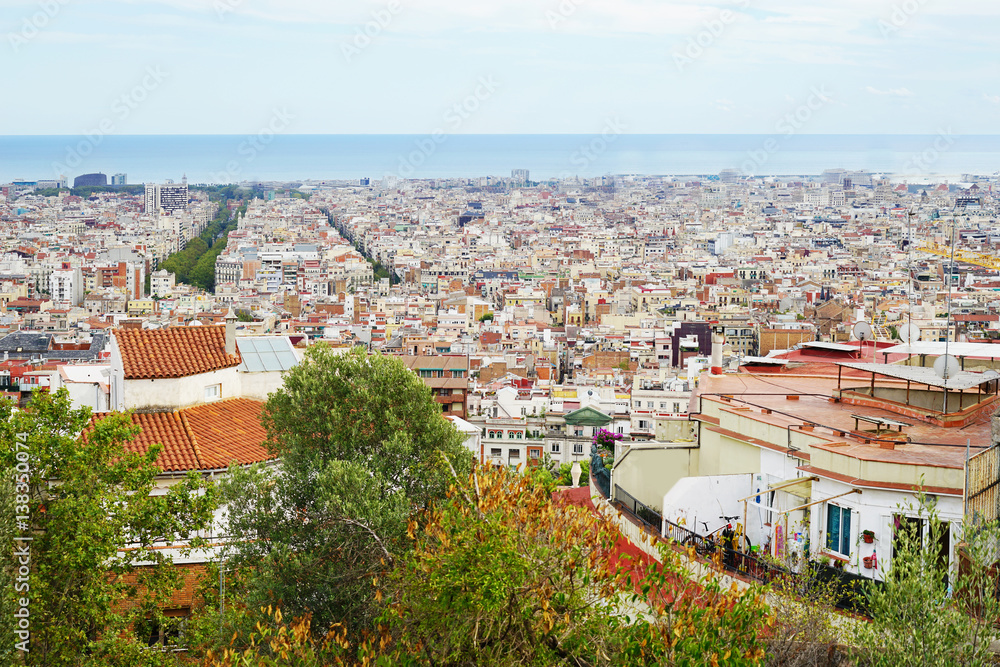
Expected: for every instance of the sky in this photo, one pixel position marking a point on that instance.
(510, 66)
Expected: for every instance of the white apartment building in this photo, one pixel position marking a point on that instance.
(66, 286)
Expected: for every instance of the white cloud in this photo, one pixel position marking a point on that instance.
(992, 99)
(892, 92)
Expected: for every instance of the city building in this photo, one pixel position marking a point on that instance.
(166, 198)
(90, 180)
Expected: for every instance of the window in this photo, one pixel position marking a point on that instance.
(578, 449)
(677, 407)
(519, 434)
(425, 374)
(663, 405)
(169, 632)
(643, 425)
(496, 453)
(838, 529)
(534, 453)
(555, 448)
(515, 454)
(213, 392)
(920, 534)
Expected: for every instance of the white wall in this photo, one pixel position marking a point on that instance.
(694, 500)
(874, 509)
(178, 392)
(259, 385)
(89, 394)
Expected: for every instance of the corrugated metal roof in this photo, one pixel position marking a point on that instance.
(923, 375)
(937, 348)
(771, 361)
(835, 347)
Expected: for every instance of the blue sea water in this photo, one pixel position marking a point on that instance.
(234, 158)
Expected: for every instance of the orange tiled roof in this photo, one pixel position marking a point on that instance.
(204, 437)
(227, 432)
(174, 352)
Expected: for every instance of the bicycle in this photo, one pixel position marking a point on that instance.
(729, 539)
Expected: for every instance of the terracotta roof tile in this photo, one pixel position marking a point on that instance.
(227, 432)
(204, 437)
(174, 352)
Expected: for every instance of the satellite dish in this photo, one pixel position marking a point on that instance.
(946, 367)
(909, 333)
(863, 331)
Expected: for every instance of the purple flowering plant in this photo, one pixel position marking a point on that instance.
(605, 439)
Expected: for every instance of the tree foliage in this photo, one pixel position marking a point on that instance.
(501, 574)
(360, 441)
(195, 264)
(925, 614)
(804, 633)
(97, 569)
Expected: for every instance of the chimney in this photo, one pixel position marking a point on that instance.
(718, 340)
(230, 332)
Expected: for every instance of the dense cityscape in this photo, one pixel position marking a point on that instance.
(520, 334)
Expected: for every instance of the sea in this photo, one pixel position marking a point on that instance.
(290, 157)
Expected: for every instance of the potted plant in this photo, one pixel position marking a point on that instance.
(867, 561)
(868, 536)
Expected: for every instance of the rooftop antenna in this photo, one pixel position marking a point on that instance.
(949, 366)
(909, 265)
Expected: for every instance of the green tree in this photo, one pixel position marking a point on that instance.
(97, 569)
(924, 614)
(503, 574)
(566, 473)
(360, 440)
(500, 573)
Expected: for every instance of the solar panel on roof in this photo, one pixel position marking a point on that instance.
(266, 354)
